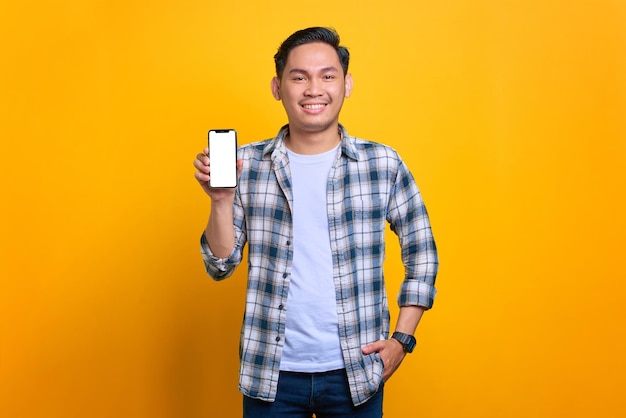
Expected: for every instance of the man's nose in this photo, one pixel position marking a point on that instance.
(314, 88)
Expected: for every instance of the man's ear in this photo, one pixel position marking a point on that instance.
(349, 83)
(275, 85)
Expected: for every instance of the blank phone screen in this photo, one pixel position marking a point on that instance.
(223, 157)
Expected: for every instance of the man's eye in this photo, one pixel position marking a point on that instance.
(299, 78)
(329, 77)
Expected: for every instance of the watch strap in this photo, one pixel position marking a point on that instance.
(407, 340)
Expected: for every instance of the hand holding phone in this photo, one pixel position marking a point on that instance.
(223, 158)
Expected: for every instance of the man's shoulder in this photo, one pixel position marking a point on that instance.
(260, 144)
(255, 148)
(368, 148)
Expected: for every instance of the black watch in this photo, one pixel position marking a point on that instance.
(407, 340)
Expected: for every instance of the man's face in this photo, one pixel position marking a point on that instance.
(312, 88)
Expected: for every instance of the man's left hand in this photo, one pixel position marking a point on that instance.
(391, 352)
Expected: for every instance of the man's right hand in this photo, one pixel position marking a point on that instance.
(203, 175)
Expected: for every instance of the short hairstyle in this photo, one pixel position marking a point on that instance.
(305, 36)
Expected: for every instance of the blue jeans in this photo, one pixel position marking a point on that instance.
(300, 395)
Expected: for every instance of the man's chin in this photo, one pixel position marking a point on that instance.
(315, 128)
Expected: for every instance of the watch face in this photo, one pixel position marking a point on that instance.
(410, 346)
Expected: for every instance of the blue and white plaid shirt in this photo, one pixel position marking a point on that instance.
(368, 185)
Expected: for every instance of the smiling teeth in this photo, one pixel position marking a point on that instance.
(314, 106)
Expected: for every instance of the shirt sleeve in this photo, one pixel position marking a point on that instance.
(222, 268)
(409, 220)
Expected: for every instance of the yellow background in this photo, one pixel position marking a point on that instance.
(510, 113)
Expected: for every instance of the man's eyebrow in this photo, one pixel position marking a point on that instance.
(321, 70)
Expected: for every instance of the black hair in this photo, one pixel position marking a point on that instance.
(305, 36)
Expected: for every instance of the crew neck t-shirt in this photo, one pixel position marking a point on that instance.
(311, 334)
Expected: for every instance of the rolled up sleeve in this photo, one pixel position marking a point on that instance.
(409, 220)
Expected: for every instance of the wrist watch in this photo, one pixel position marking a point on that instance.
(407, 340)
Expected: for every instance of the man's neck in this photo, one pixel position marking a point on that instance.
(307, 143)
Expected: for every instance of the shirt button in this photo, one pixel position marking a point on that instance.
(281, 306)
(288, 242)
(285, 275)
(277, 339)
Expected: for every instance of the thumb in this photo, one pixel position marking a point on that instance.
(372, 348)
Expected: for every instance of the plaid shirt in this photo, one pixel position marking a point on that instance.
(368, 185)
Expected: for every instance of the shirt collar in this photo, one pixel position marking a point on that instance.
(277, 145)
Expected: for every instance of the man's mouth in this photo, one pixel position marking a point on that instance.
(313, 106)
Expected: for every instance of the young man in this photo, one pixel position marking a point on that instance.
(312, 205)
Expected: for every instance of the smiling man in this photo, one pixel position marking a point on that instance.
(312, 205)
(312, 85)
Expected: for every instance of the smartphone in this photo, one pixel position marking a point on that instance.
(223, 158)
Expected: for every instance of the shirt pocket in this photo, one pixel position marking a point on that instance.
(368, 220)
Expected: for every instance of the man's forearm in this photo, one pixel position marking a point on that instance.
(219, 232)
(408, 319)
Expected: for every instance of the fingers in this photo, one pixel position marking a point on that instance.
(372, 348)
(201, 163)
(201, 177)
(202, 159)
(389, 354)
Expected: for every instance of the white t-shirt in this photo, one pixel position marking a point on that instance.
(311, 335)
